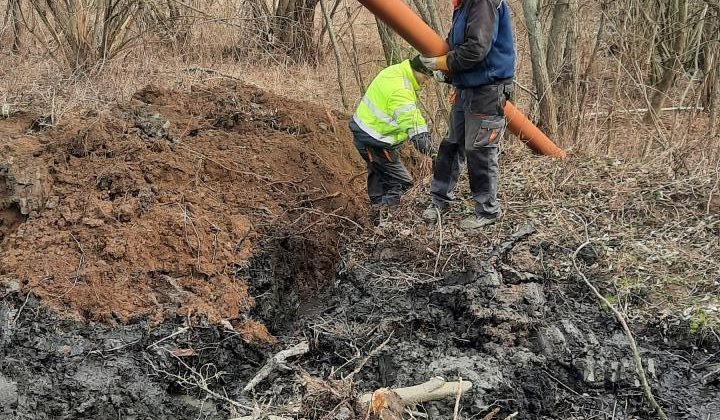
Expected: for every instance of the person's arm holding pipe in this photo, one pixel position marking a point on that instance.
(479, 31)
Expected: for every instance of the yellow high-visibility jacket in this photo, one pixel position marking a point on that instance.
(389, 110)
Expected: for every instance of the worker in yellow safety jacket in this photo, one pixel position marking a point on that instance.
(388, 115)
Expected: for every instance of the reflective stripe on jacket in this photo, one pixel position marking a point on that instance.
(389, 110)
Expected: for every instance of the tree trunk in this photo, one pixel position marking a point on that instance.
(428, 12)
(178, 26)
(557, 39)
(548, 110)
(711, 62)
(713, 81)
(356, 62)
(562, 60)
(584, 85)
(295, 27)
(336, 50)
(670, 74)
(715, 110)
(262, 15)
(14, 14)
(572, 60)
(390, 44)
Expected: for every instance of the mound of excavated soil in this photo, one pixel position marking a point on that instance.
(155, 207)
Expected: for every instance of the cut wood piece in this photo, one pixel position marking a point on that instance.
(387, 405)
(277, 362)
(434, 389)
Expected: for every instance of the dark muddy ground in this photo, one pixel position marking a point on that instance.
(53, 368)
(529, 343)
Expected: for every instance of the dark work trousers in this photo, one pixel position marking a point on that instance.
(387, 178)
(477, 124)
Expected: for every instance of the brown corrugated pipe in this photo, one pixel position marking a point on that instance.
(417, 33)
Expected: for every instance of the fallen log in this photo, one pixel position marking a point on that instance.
(434, 389)
(386, 405)
(389, 404)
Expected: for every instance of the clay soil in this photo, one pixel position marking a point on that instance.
(152, 208)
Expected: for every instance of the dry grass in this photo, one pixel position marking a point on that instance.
(655, 234)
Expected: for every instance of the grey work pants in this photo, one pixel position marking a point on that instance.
(477, 124)
(387, 177)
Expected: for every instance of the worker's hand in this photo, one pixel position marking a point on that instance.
(441, 77)
(423, 143)
(435, 63)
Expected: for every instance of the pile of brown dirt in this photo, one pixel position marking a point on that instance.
(152, 208)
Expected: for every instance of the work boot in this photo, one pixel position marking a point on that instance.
(375, 213)
(431, 213)
(384, 217)
(476, 222)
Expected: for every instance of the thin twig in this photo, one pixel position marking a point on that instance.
(586, 76)
(17, 316)
(633, 345)
(367, 358)
(197, 380)
(456, 411)
(322, 213)
(239, 245)
(492, 414)
(642, 111)
(439, 253)
(178, 332)
(80, 265)
(714, 188)
(528, 90)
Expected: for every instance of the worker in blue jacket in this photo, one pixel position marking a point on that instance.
(481, 66)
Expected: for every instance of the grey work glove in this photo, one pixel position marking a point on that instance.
(423, 143)
(435, 63)
(442, 77)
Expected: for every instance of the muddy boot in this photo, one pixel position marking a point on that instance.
(384, 216)
(477, 222)
(374, 213)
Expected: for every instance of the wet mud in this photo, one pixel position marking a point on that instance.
(528, 343)
(53, 368)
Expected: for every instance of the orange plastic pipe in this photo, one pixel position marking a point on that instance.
(535, 139)
(417, 33)
(408, 25)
